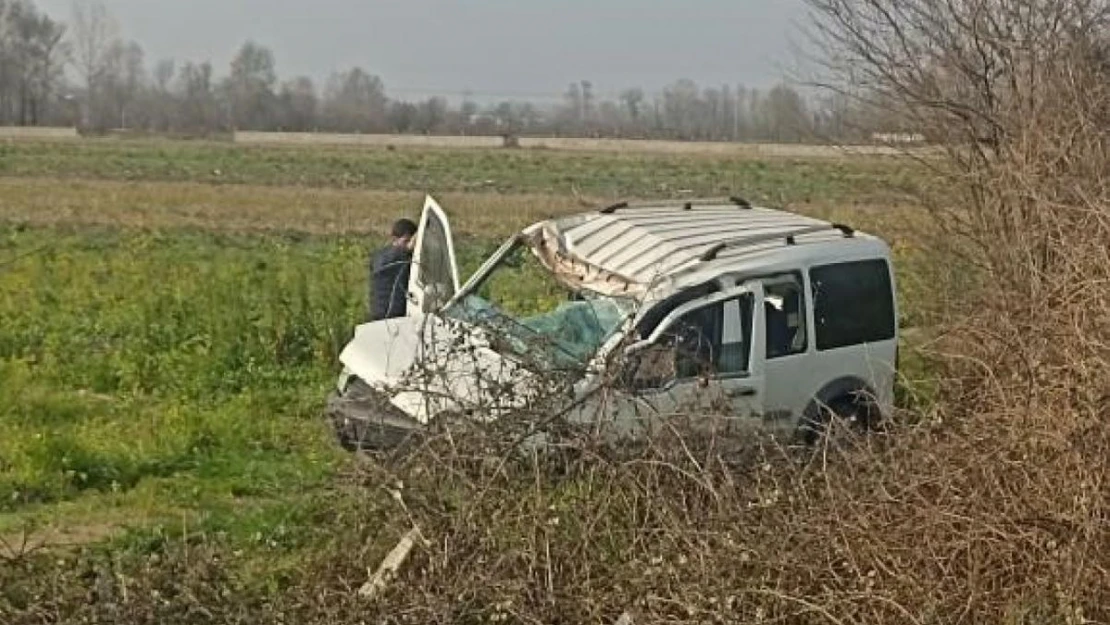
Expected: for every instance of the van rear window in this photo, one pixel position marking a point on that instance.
(853, 303)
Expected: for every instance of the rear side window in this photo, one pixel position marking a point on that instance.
(853, 303)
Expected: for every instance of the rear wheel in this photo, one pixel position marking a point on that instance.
(849, 412)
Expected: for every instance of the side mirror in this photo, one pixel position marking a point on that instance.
(626, 368)
(647, 365)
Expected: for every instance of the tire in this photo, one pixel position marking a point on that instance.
(364, 420)
(859, 415)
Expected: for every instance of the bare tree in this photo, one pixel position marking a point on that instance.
(299, 104)
(431, 114)
(117, 89)
(633, 102)
(786, 114)
(31, 58)
(198, 104)
(680, 103)
(355, 101)
(161, 102)
(94, 32)
(124, 83)
(984, 78)
(250, 87)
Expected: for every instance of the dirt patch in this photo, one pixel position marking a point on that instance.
(17, 544)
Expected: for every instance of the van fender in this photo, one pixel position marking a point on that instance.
(850, 387)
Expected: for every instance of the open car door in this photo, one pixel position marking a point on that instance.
(434, 278)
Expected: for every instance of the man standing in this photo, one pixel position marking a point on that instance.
(389, 273)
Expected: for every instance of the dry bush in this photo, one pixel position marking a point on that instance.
(680, 530)
(995, 509)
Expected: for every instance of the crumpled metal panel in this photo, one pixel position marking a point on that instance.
(644, 245)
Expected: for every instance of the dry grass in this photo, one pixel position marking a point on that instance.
(891, 532)
(37, 133)
(326, 211)
(248, 208)
(679, 531)
(629, 146)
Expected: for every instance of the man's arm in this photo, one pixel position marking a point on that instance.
(398, 297)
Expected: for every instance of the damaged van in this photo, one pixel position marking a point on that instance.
(623, 317)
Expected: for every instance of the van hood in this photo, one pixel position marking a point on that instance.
(427, 365)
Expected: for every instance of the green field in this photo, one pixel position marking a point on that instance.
(868, 179)
(172, 315)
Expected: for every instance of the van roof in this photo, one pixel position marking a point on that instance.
(692, 240)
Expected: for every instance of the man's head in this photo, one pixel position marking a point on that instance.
(403, 233)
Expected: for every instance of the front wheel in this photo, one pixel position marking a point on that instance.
(363, 420)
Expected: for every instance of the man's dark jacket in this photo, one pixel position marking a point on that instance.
(389, 282)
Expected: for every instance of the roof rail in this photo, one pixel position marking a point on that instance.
(712, 252)
(685, 204)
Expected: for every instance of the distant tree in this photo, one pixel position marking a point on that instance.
(162, 101)
(431, 115)
(757, 117)
(741, 118)
(117, 89)
(680, 104)
(611, 120)
(786, 114)
(299, 105)
(575, 103)
(31, 61)
(199, 107)
(355, 101)
(250, 88)
(468, 110)
(633, 101)
(587, 100)
(94, 33)
(711, 114)
(402, 116)
(123, 85)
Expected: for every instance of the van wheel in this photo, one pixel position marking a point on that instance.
(857, 415)
(363, 422)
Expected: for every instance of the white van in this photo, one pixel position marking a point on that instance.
(750, 316)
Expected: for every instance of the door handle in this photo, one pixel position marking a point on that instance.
(741, 392)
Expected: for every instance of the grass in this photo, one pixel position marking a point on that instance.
(257, 209)
(190, 364)
(871, 180)
(168, 338)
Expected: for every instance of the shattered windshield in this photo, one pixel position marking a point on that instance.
(534, 316)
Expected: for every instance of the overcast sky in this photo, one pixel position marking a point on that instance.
(493, 48)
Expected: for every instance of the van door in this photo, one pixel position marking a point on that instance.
(829, 333)
(790, 379)
(697, 364)
(855, 328)
(434, 278)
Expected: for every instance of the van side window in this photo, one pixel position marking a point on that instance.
(784, 315)
(660, 311)
(853, 303)
(714, 340)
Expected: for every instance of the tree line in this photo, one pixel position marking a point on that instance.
(84, 73)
